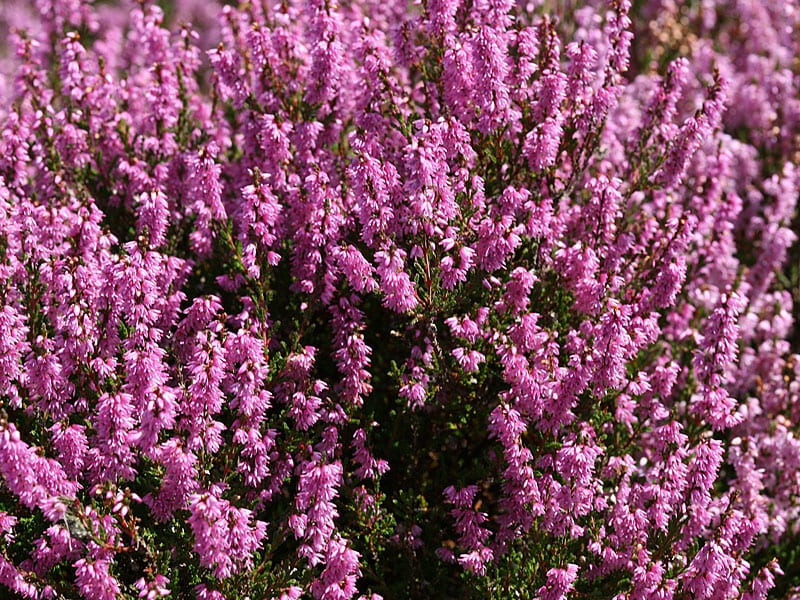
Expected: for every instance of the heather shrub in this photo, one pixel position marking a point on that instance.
(376, 300)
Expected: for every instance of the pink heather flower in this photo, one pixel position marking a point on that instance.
(376, 183)
(453, 273)
(619, 36)
(338, 578)
(718, 342)
(521, 500)
(694, 130)
(179, 480)
(256, 453)
(668, 282)
(352, 354)
(204, 397)
(147, 384)
(13, 346)
(314, 521)
(490, 68)
(661, 111)
(518, 290)
(604, 208)
(613, 346)
(430, 193)
(459, 78)
(94, 579)
(225, 537)
(709, 572)
(497, 240)
(543, 142)
(305, 410)
(441, 16)
(469, 360)
(581, 71)
(717, 351)
(204, 196)
(348, 177)
(763, 582)
(54, 546)
(358, 271)
(559, 583)
(273, 138)
(259, 214)
(14, 580)
(415, 392)
(229, 71)
(468, 524)
(32, 478)
(396, 285)
(73, 65)
(153, 217)
(72, 446)
(467, 328)
(580, 267)
(203, 592)
(151, 590)
(111, 454)
(327, 69)
(369, 466)
(291, 593)
(527, 335)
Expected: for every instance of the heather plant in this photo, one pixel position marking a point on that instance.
(457, 299)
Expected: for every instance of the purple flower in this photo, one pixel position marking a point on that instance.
(225, 537)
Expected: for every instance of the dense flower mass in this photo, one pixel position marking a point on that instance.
(361, 300)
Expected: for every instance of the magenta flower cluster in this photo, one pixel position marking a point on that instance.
(456, 298)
